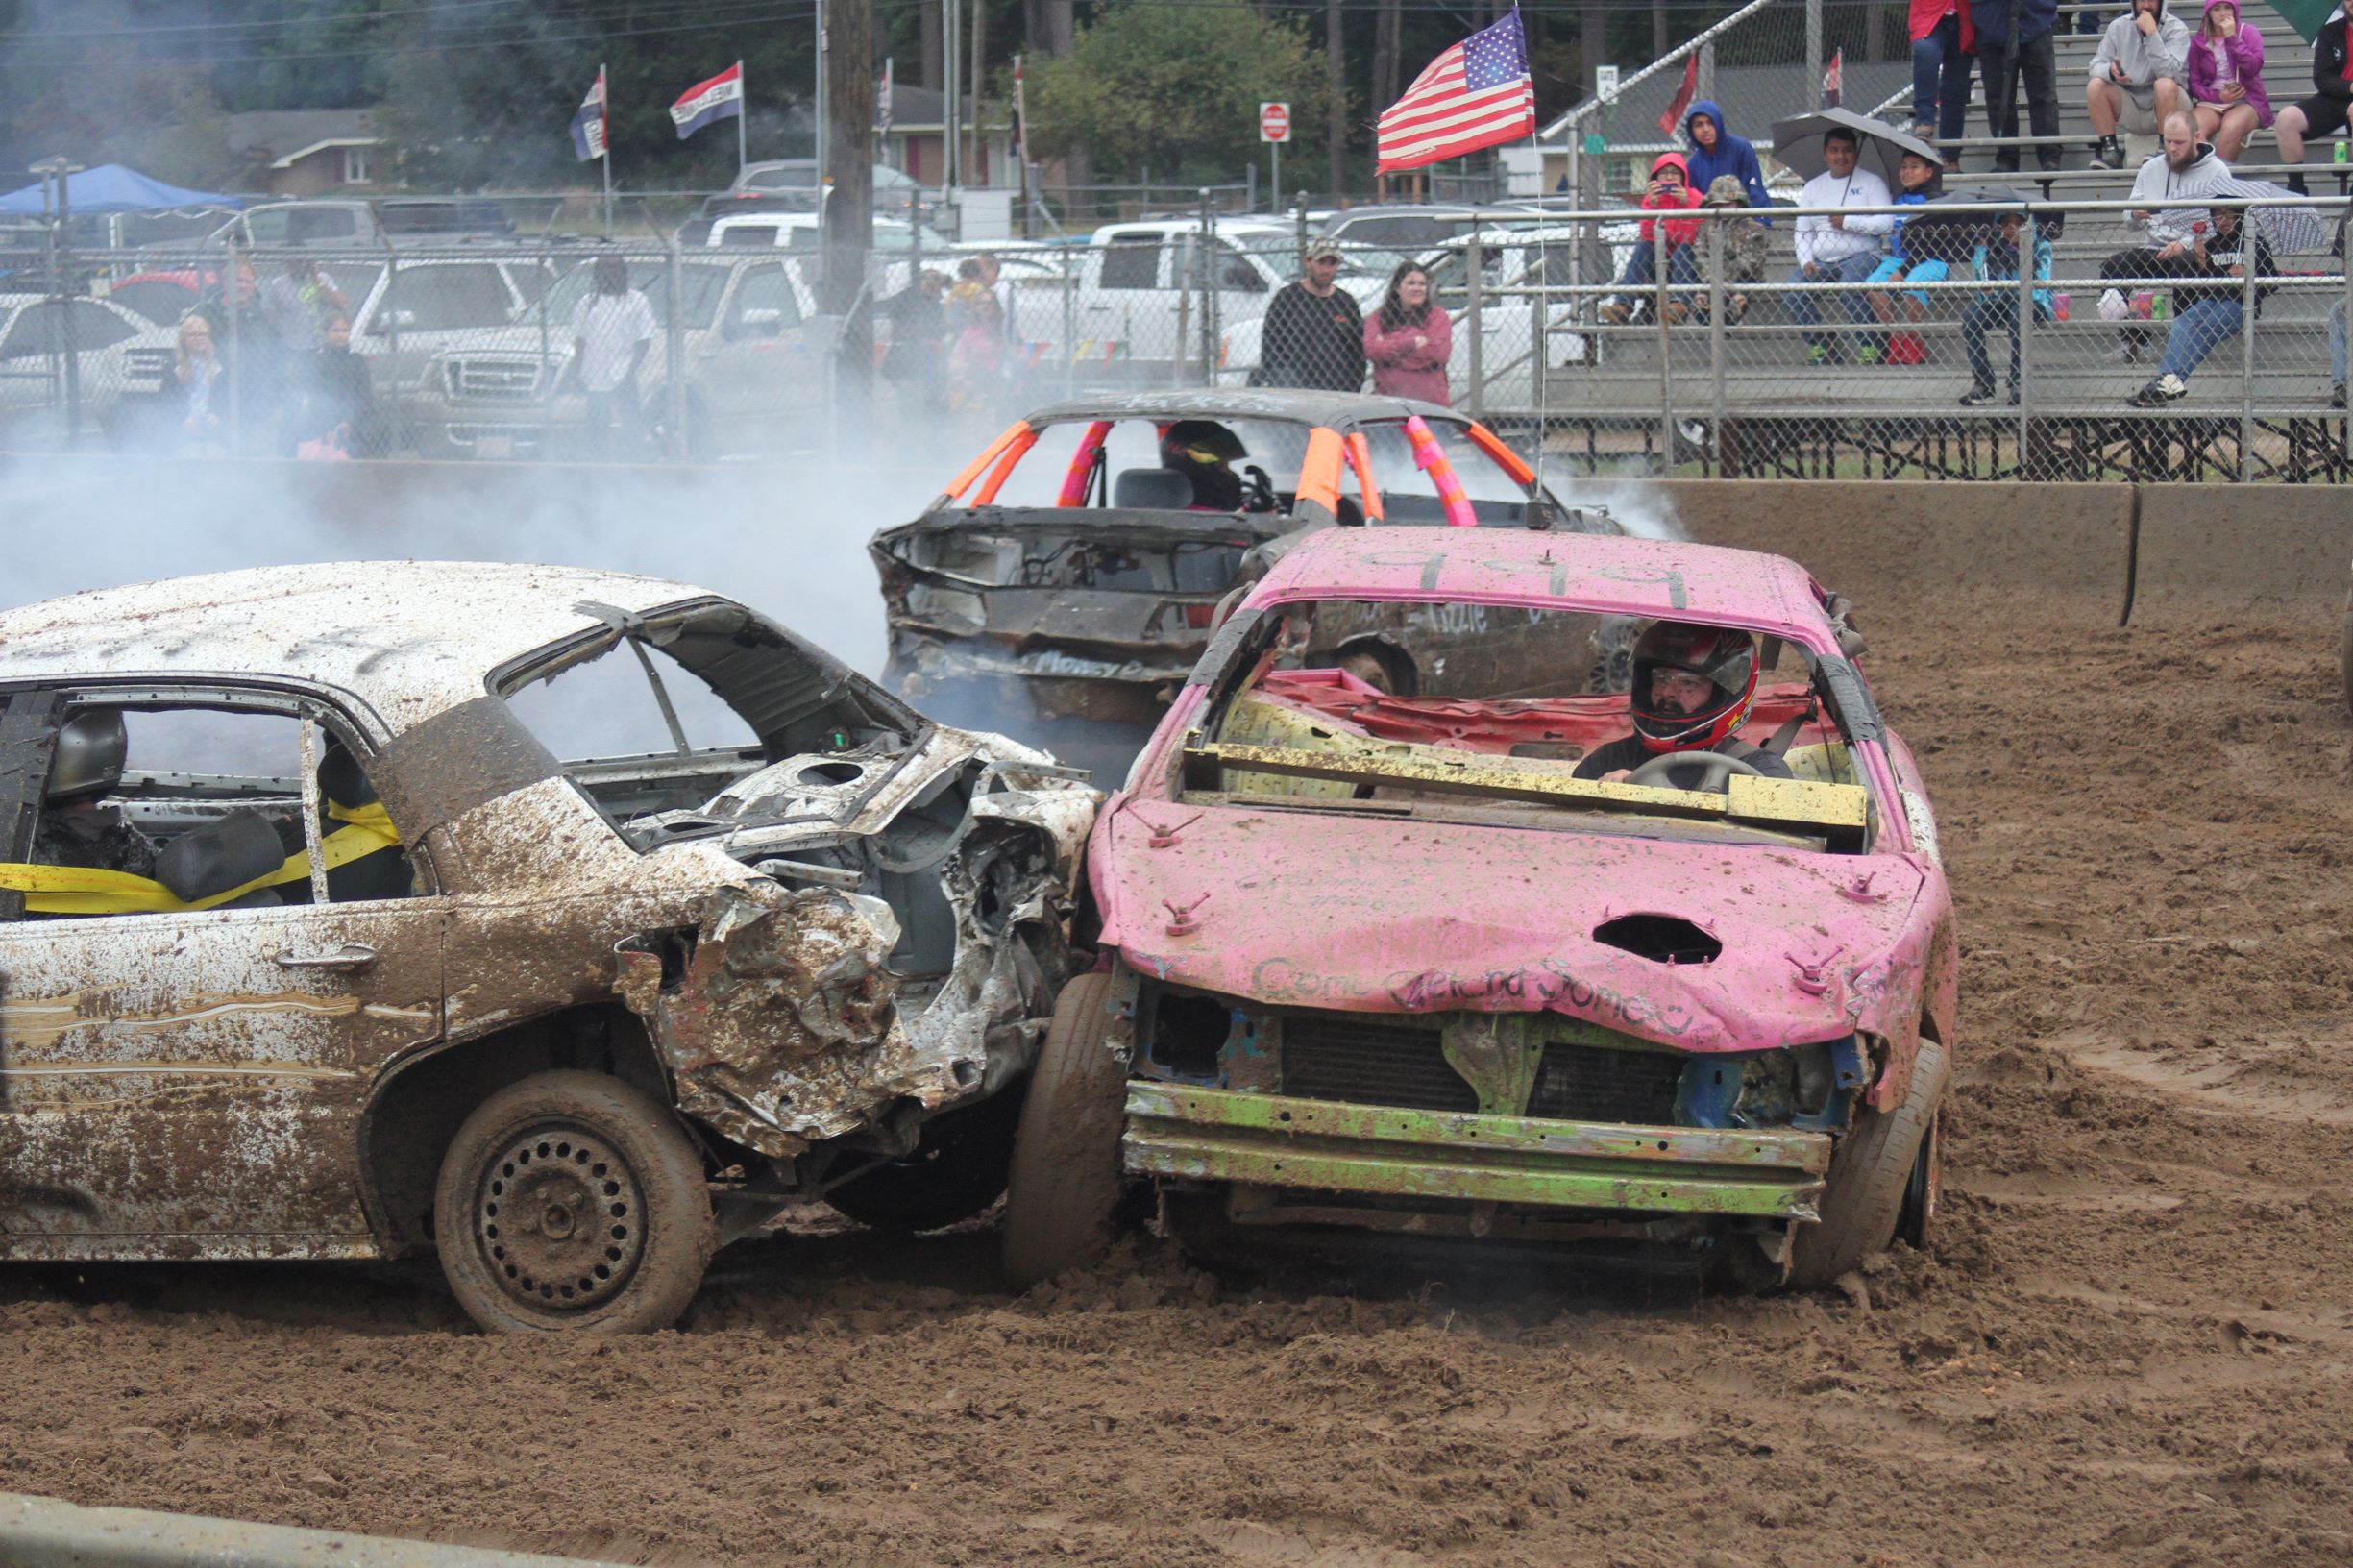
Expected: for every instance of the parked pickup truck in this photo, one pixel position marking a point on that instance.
(754, 351)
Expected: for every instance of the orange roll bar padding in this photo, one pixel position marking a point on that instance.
(1360, 459)
(1431, 458)
(1003, 471)
(1488, 442)
(963, 481)
(1319, 471)
(1082, 465)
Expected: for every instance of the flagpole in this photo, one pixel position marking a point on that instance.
(604, 124)
(743, 113)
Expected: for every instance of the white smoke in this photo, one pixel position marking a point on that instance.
(789, 540)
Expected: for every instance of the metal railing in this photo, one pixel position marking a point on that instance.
(1700, 350)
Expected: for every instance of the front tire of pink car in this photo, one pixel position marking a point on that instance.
(1869, 1174)
(1062, 1203)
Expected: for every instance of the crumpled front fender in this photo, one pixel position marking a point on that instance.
(779, 1019)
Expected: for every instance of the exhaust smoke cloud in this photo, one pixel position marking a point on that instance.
(787, 540)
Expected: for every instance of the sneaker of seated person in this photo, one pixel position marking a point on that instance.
(1677, 312)
(1616, 314)
(1979, 396)
(2336, 396)
(2164, 389)
(2107, 153)
(1870, 354)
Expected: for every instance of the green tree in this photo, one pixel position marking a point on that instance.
(1165, 89)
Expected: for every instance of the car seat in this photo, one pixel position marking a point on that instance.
(225, 853)
(1152, 490)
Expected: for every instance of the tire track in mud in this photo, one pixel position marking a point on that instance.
(2132, 1342)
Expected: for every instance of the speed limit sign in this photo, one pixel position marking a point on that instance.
(1274, 122)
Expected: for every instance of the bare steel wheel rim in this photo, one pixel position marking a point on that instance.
(560, 1219)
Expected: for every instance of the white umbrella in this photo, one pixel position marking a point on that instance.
(2287, 230)
(1878, 145)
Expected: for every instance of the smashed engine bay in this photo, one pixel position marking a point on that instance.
(876, 976)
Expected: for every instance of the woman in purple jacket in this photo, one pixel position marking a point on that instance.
(1409, 340)
(2227, 80)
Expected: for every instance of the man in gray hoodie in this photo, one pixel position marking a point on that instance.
(2143, 59)
(2171, 193)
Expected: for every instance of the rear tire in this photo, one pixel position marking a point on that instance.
(1062, 1202)
(573, 1202)
(1869, 1174)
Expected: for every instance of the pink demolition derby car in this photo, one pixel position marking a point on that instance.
(1379, 968)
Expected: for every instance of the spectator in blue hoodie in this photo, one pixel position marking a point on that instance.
(2014, 42)
(1715, 151)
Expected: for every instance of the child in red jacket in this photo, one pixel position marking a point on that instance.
(1669, 191)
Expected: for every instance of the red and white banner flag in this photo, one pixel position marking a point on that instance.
(1477, 94)
(1833, 79)
(720, 98)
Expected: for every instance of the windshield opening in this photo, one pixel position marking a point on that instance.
(1491, 713)
(663, 712)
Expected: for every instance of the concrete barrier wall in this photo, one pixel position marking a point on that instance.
(2281, 552)
(44, 1532)
(1887, 542)
(2192, 554)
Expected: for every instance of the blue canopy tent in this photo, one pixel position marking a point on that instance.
(110, 188)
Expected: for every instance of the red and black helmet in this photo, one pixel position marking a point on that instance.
(1724, 657)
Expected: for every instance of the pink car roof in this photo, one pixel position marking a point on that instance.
(1601, 573)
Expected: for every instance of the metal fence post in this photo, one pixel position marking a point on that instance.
(1715, 342)
(2247, 242)
(234, 309)
(2029, 235)
(1659, 252)
(1212, 266)
(1182, 348)
(1070, 326)
(674, 351)
(1475, 317)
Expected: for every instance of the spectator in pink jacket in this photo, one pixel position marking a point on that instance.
(1409, 340)
(2227, 80)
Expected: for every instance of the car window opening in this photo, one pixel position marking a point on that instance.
(1484, 713)
(174, 806)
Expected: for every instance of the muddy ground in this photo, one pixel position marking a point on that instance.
(2132, 1342)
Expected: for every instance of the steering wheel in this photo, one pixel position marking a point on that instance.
(1260, 494)
(1715, 769)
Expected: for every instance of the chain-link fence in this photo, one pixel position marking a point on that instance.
(2054, 340)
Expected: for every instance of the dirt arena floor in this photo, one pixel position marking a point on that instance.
(2131, 1343)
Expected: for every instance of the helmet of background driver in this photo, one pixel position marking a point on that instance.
(1722, 657)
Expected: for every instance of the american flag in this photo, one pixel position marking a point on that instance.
(1477, 94)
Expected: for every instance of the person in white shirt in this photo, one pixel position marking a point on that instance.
(612, 327)
(1837, 248)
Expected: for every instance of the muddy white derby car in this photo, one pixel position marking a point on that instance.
(311, 945)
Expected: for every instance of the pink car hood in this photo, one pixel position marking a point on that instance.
(1387, 915)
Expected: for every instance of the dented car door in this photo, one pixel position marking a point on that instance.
(200, 1074)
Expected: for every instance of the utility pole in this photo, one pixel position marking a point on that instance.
(849, 211)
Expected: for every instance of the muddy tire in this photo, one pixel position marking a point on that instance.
(958, 1170)
(1870, 1174)
(571, 1202)
(1063, 1203)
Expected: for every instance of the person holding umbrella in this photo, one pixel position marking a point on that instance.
(1834, 246)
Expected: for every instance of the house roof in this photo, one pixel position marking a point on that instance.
(282, 135)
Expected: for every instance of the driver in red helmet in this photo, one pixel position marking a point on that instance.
(1692, 689)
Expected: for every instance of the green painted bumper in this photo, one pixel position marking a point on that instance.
(1272, 1141)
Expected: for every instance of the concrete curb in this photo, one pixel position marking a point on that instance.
(45, 1532)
